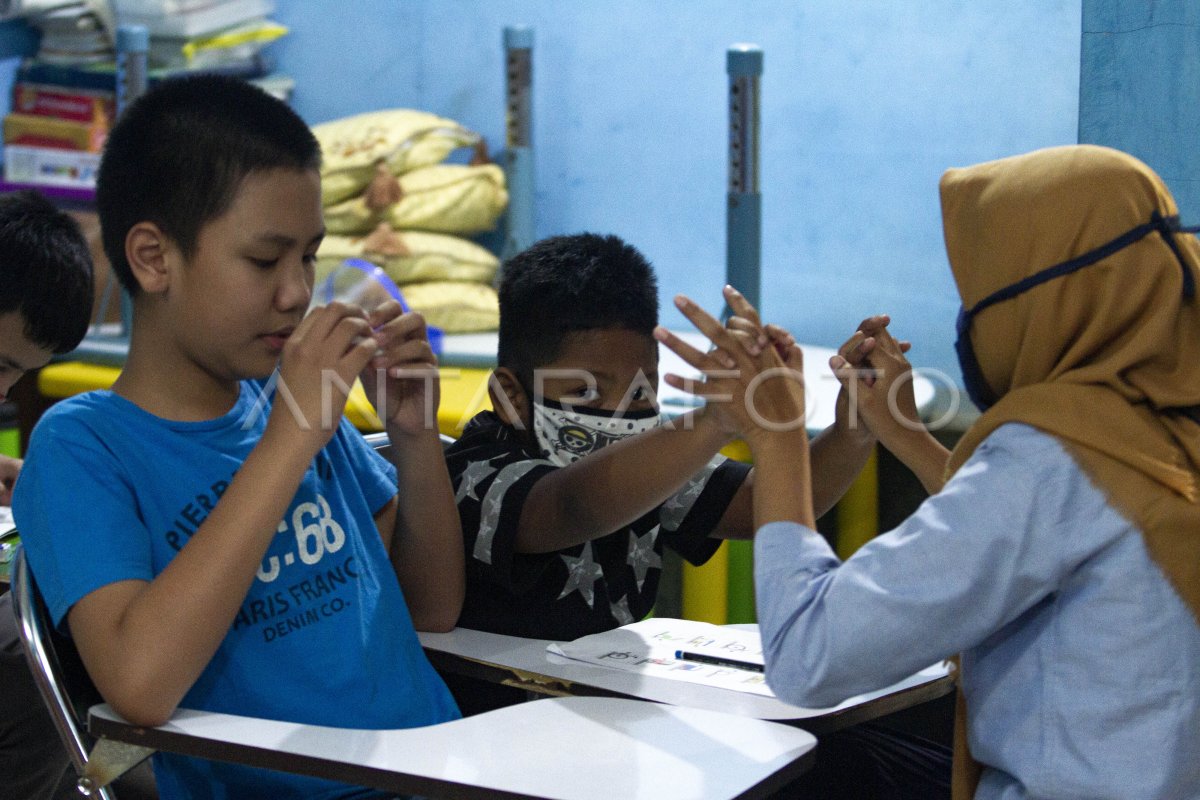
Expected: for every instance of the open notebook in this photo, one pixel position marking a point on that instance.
(650, 647)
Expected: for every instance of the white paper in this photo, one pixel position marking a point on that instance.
(648, 647)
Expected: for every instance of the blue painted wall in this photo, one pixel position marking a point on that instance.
(864, 104)
(1140, 88)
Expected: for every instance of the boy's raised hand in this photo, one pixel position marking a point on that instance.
(319, 363)
(751, 385)
(401, 381)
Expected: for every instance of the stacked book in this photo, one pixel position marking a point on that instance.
(63, 99)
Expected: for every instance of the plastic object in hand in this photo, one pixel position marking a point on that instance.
(366, 285)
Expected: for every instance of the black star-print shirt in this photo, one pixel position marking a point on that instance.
(599, 585)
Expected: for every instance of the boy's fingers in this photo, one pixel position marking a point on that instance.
(414, 352)
(779, 334)
(741, 306)
(385, 313)
(348, 332)
(356, 359)
(690, 354)
(705, 323)
(756, 338)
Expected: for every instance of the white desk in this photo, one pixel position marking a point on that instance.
(567, 748)
(526, 664)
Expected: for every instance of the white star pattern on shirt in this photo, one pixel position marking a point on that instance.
(472, 476)
(621, 613)
(642, 555)
(582, 574)
(493, 502)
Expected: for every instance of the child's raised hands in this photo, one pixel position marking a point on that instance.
(319, 362)
(401, 381)
(758, 390)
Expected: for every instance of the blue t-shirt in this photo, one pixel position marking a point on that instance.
(110, 492)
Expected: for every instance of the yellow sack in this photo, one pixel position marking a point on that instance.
(401, 139)
(411, 256)
(455, 306)
(445, 198)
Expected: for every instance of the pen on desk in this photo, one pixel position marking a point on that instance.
(717, 661)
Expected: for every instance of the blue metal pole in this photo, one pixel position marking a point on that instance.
(133, 44)
(743, 239)
(518, 49)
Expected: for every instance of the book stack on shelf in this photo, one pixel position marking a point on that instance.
(224, 35)
(63, 100)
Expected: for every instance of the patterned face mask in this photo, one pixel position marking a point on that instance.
(565, 434)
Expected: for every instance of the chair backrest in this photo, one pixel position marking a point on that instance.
(58, 671)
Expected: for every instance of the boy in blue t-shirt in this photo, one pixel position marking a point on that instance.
(211, 531)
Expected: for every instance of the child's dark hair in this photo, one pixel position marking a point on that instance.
(178, 154)
(45, 271)
(571, 283)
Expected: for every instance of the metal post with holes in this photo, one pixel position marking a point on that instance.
(743, 240)
(518, 112)
(132, 46)
(743, 255)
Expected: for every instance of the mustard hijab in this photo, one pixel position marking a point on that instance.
(1105, 359)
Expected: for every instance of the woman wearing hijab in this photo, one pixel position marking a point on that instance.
(1061, 557)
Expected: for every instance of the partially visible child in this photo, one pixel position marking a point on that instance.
(211, 531)
(45, 305)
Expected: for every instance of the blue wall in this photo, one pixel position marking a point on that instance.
(1140, 88)
(864, 104)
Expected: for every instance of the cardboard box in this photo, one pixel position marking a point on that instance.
(50, 167)
(31, 130)
(76, 105)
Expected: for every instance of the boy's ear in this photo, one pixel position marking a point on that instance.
(508, 398)
(148, 249)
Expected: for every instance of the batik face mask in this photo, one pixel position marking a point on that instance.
(977, 387)
(566, 434)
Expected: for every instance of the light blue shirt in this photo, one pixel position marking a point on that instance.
(1081, 665)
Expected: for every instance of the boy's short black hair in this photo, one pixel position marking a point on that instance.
(571, 283)
(178, 154)
(45, 270)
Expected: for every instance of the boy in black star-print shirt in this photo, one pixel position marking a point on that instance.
(589, 587)
(560, 545)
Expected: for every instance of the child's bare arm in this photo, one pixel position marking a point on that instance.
(599, 494)
(766, 397)
(421, 528)
(146, 643)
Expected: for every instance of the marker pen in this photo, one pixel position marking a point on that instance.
(718, 661)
